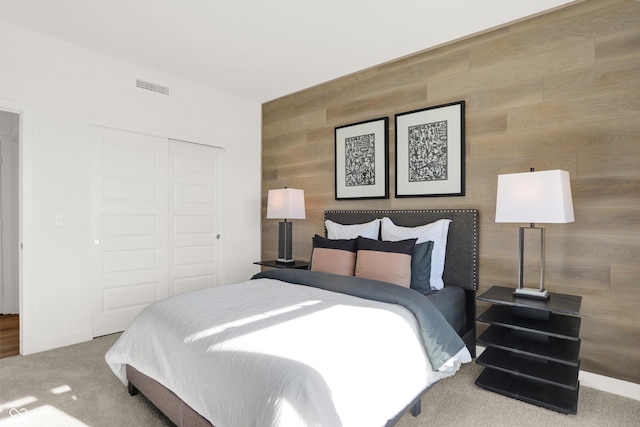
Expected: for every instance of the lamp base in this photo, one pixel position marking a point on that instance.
(531, 293)
(285, 231)
(285, 260)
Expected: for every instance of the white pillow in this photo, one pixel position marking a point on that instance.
(436, 231)
(369, 230)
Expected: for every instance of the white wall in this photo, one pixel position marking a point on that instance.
(60, 88)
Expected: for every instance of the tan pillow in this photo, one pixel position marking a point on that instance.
(385, 261)
(337, 256)
(436, 231)
(334, 261)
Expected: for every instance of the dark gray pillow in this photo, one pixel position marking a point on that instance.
(421, 267)
(350, 245)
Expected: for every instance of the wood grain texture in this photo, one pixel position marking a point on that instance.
(9, 335)
(558, 91)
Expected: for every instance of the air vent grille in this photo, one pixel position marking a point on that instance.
(153, 87)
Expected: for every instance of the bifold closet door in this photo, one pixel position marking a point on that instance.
(155, 222)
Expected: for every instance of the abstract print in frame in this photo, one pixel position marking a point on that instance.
(362, 160)
(430, 151)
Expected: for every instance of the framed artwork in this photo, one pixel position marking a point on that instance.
(430, 151)
(362, 160)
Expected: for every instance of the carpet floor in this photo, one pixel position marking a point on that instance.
(73, 386)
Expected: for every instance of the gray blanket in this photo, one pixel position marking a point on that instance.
(440, 341)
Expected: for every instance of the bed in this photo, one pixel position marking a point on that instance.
(292, 347)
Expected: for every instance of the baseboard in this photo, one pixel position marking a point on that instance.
(608, 384)
(600, 382)
(55, 341)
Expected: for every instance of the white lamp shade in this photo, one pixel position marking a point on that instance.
(534, 197)
(286, 203)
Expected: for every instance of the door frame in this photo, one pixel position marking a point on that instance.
(25, 259)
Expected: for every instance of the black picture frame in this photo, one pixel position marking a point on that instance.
(430, 151)
(362, 160)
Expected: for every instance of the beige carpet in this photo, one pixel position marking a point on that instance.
(73, 386)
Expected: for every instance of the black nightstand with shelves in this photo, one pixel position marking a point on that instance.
(532, 348)
(300, 265)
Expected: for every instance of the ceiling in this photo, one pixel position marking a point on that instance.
(260, 49)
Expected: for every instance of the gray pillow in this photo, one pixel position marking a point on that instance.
(421, 267)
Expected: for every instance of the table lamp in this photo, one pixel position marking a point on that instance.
(534, 197)
(285, 203)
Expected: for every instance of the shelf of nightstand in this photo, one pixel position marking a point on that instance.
(529, 367)
(557, 303)
(532, 348)
(553, 325)
(536, 392)
(551, 348)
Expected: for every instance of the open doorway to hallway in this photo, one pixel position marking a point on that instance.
(9, 233)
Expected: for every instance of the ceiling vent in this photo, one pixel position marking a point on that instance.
(153, 87)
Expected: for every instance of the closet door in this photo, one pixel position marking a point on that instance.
(129, 226)
(156, 222)
(195, 180)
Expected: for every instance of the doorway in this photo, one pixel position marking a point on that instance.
(9, 233)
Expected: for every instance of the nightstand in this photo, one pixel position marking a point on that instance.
(300, 265)
(532, 348)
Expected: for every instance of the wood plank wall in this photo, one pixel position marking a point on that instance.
(556, 91)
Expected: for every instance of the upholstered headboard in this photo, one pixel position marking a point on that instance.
(461, 259)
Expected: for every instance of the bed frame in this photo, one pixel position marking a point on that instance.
(461, 269)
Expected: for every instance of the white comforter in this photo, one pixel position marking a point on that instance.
(270, 353)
